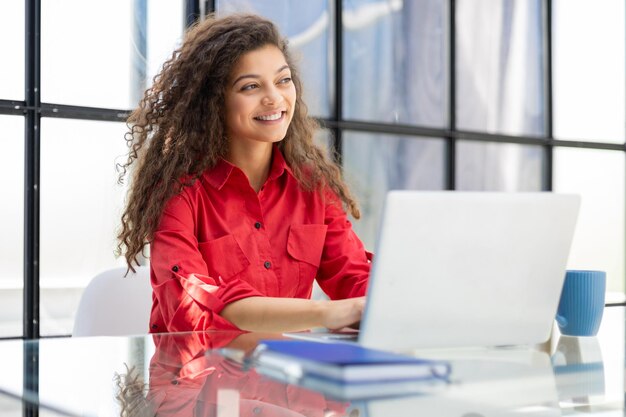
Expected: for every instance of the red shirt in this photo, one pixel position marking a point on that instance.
(219, 241)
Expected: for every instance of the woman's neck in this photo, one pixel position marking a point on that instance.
(254, 161)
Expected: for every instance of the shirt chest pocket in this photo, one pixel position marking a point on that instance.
(305, 244)
(223, 257)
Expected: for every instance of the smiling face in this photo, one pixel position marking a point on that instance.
(260, 98)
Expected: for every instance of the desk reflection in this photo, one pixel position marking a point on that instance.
(188, 377)
(579, 372)
(486, 383)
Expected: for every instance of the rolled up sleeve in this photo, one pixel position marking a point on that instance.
(185, 297)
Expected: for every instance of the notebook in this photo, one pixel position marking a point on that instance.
(344, 362)
(468, 269)
(348, 371)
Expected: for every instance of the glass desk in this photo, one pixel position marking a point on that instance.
(184, 375)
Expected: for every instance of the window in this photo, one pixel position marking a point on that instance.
(375, 164)
(104, 61)
(493, 166)
(81, 206)
(499, 67)
(599, 177)
(11, 225)
(395, 62)
(12, 50)
(94, 69)
(589, 87)
(590, 106)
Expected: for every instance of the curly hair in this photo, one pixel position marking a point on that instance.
(178, 130)
(131, 394)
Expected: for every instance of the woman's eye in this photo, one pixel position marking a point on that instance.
(285, 80)
(248, 87)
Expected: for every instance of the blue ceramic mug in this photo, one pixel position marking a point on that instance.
(582, 303)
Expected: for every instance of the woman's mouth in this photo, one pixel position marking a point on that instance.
(271, 117)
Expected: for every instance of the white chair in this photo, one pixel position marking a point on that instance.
(114, 304)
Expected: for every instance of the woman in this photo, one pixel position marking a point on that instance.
(242, 212)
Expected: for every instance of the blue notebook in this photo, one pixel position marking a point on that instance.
(346, 390)
(343, 362)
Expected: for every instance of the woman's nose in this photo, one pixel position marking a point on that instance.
(272, 97)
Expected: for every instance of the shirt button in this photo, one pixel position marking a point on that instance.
(256, 410)
(154, 327)
(174, 382)
(175, 268)
(257, 225)
(267, 264)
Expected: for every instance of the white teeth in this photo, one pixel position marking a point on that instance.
(275, 116)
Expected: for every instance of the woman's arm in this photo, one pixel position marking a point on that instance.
(345, 265)
(273, 314)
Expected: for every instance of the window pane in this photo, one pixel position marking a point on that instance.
(165, 27)
(375, 164)
(81, 204)
(483, 166)
(308, 26)
(12, 225)
(93, 65)
(588, 67)
(598, 176)
(499, 61)
(12, 50)
(395, 61)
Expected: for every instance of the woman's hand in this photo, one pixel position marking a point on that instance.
(342, 313)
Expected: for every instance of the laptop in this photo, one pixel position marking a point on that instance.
(468, 269)
(458, 269)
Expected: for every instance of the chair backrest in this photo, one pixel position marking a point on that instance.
(114, 304)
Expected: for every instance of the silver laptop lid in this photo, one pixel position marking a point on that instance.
(467, 269)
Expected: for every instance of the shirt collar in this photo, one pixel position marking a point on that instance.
(218, 175)
(279, 165)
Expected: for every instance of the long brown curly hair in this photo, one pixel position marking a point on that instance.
(178, 130)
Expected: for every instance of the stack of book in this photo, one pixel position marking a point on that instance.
(347, 370)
